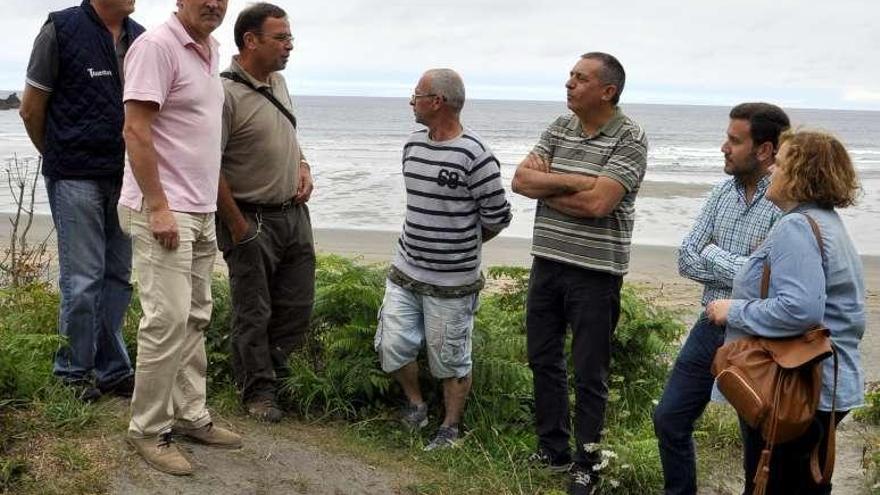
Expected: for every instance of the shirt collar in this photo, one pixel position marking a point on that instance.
(610, 128)
(760, 189)
(184, 38)
(613, 125)
(90, 11)
(763, 184)
(804, 207)
(236, 67)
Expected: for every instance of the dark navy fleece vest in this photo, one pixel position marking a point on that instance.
(85, 114)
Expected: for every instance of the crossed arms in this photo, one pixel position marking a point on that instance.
(573, 194)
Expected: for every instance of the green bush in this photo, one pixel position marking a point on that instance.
(644, 344)
(217, 336)
(25, 364)
(30, 309)
(339, 376)
(27, 342)
(337, 373)
(12, 470)
(870, 412)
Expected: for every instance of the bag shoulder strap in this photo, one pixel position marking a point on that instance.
(817, 233)
(265, 91)
(823, 476)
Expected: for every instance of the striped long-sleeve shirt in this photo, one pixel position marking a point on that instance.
(726, 232)
(453, 191)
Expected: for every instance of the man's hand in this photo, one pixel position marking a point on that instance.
(240, 230)
(533, 179)
(138, 134)
(717, 311)
(596, 202)
(306, 186)
(164, 228)
(537, 162)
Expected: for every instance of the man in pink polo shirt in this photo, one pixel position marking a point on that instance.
(173, 113)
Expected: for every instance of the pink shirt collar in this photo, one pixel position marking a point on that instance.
(186, 40)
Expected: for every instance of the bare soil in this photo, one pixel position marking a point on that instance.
(287, 458)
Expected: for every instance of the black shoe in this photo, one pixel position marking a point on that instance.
(583, 482)
(84, 390)
(123, 387)
(542, 458)
(264, 410)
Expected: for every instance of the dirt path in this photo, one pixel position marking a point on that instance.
(276, 459)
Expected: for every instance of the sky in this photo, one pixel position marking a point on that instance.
(796, 53)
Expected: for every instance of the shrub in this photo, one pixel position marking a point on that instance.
(339, 375)
(336, 373)
(11, 471)
(870, 413)
(27, 341)
(217, 335)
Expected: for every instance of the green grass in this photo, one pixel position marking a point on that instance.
(339, 378)
(336, 381)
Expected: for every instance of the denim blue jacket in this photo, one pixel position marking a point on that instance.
(807, 290)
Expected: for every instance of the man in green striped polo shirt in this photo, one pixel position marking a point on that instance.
(585, 172)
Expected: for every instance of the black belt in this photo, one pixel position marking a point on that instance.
(260, 207)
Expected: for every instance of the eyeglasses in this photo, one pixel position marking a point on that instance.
(413, 97)
(280, 37)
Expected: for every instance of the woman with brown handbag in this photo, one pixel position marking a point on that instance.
(811, 284)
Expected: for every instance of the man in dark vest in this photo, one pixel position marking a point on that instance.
(72, 110)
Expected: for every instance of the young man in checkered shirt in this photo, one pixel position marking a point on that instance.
(732, 223)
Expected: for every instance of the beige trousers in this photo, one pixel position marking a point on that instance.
(174, 287)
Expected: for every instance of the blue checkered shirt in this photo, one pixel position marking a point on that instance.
(726, 232)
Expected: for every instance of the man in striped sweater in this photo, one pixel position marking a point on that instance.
(455, 202)
(585, 172)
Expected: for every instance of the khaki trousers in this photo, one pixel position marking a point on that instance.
(174, 287)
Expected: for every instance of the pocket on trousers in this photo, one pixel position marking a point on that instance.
(455, 341)
(255, 228)
(377, 339)
(123, 214)
(224, 236)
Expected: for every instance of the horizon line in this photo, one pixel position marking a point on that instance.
(532, 100)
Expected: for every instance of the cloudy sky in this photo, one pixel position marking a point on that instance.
(799, 53)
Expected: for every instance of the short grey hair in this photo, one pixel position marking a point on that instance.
(448, 84)
(612, 72)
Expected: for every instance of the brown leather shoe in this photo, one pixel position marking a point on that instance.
(162, 453)
(210, 435)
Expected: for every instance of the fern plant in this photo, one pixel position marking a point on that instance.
(338, 374)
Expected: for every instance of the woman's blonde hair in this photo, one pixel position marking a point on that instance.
(819, 169)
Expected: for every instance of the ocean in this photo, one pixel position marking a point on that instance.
(354, 146)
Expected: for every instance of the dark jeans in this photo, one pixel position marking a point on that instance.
(94, 263)
(790, 461)
(688, 390)
(272, 283)
(562, 295)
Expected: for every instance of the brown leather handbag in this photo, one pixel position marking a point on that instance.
(775, 385)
